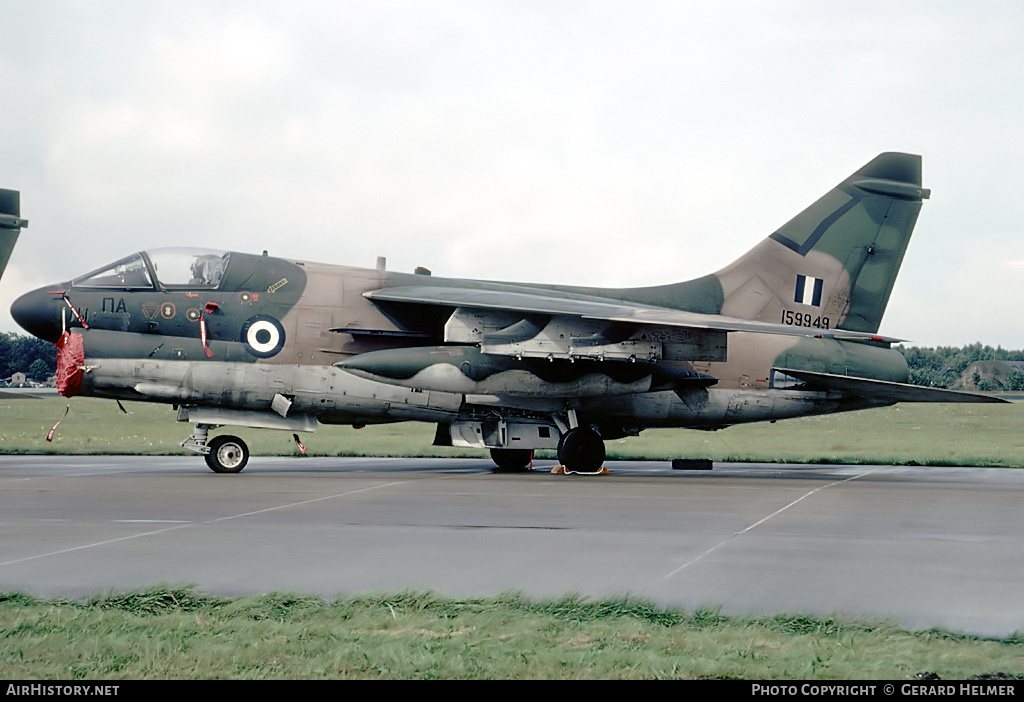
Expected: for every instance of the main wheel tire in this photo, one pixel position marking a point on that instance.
(581, 450)
(228, 454)
(512, 460)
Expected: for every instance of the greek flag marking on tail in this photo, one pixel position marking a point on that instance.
(808, 290)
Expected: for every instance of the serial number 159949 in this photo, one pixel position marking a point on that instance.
(804, 319)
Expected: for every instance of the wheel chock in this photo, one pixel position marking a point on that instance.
(562, 470)
(691, 464)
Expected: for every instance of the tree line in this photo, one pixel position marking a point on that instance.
(26, 354)
(942, 367)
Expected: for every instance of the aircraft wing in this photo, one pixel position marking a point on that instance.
(884, 390)
(592, 307)
(569, 316)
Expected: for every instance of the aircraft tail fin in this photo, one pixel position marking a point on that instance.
(835, 263)
(11, 224)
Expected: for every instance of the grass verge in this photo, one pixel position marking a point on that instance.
(170, 632)
(921, 434)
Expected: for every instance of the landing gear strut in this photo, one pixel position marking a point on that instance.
(581, 450)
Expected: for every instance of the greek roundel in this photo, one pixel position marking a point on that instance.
(262, 336)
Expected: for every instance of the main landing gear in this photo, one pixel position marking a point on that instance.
(581, 450)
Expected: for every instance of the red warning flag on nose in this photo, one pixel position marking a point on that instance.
(70, 363)
(53, 429)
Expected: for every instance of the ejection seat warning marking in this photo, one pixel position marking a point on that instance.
(278, 285)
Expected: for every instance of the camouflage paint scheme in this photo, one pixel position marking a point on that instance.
(787, 330)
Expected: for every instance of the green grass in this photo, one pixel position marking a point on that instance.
(177, 633)
(925, 434)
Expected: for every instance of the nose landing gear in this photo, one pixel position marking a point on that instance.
(228, 454)
(223, 454)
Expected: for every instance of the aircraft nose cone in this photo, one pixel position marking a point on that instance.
(39, 314)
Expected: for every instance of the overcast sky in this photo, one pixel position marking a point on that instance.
(564, 141)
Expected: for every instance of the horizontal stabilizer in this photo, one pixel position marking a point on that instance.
(884, 391)
(11, 224)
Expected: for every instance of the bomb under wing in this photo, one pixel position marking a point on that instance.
(468, 370)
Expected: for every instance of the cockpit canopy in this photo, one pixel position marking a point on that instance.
(180, 268)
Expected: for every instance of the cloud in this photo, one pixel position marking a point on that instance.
(584, 143)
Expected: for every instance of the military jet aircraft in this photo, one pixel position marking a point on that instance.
(233, 339)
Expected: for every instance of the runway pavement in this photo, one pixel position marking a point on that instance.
(926, 547)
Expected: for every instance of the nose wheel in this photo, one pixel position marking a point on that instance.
(228, 454)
